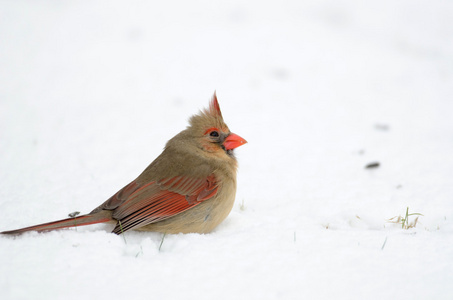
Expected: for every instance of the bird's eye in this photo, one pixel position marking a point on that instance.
(214, 133)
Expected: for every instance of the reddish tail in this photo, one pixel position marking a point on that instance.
(70, 222)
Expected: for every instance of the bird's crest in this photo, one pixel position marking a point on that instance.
(214, 107)
(209, 117)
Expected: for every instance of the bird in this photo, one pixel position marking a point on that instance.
(189, 188)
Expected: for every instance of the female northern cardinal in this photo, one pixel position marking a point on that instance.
(190, 187)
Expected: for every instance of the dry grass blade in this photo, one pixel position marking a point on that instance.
(404, 221)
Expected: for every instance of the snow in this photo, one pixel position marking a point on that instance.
(91, 91)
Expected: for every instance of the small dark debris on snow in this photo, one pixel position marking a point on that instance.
(74, 214)
(372, 165)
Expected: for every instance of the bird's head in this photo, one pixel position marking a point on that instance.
(212, 133)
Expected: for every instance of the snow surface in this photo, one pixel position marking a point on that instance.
(90, 91)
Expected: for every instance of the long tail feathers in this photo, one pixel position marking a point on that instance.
(70, 222)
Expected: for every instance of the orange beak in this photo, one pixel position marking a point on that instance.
(233, 141)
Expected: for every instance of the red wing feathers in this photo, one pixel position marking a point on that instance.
(160, 200)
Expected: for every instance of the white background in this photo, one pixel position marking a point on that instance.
(90, 91)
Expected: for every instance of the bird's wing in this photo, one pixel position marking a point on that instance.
(137, 204)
